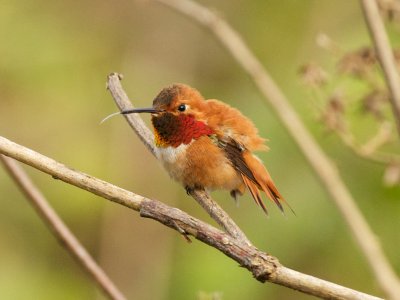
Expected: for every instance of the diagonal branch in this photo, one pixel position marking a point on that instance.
(385, 54)
(264, 267)
(326, 171)
(60, 230)
(202, 197)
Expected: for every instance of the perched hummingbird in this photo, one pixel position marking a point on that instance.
(207, 144)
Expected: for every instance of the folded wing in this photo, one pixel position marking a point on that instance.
(255, 176)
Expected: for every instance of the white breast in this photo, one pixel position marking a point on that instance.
(173, 159)
(170, 154)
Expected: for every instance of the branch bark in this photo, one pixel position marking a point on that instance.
(385, 54)
(60, 230)
(326, 171)
(263, 266)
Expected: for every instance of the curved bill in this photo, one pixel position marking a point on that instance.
(140, 110)
(150, 110)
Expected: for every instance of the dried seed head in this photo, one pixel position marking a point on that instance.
(313, 75)
(332, 116)
(358, 63)
(374, 102)
(390, 9)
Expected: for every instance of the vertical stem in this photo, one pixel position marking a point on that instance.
(385, 54)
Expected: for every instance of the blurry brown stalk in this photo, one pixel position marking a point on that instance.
(385, 54)
(60, 230)
(327, 172)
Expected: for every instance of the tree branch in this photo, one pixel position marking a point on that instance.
(385, 54)
(326, 171)
(60, 230)
(264, 267)
(147, 137)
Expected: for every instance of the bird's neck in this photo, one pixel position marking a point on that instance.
(172, 130)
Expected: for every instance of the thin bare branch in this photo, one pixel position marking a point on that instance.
(123, 103)
(202, 197)
(264, 267)
(60, 230)
(328, 174)
(369, 150)
(385, 54)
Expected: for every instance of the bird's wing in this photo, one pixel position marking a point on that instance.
(231, 122)
(254, 174)
(234, 151)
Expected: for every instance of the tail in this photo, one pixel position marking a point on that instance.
(261, 181)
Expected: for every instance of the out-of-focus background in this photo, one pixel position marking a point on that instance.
(54, 59)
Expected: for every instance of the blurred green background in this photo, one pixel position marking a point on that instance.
(54, 59)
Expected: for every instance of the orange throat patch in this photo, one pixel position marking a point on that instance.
(159, 141)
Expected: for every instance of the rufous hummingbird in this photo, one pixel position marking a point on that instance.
(207, 144)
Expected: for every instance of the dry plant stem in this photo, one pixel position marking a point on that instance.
(322, 165)
(264, 267)
(385, 54)
(369, 150)
(219, 215)
(60, 230)
(146, 136)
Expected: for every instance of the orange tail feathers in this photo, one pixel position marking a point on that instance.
(263, 182)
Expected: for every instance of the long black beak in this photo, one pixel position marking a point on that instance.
(150, 110)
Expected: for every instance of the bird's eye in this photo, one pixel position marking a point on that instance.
(182, 107)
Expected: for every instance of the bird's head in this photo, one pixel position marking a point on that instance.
(177, 116)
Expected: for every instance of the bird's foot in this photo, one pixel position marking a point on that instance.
(191, 189)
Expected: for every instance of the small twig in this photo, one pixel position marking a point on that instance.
(230, 39)
(385, 54)
(264, 267)
(368, 151)
(60, 230)
(379, 139)
(145, 135)
(182, 232)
